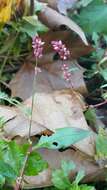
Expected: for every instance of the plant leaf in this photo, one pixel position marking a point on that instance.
(60, 177)
(7, 172)
(35, 164)
(67, 166)
(101, 144)
(12, 158)
(2, 180)
(59, 180)
(79, 176)
(99, 14)
(55, 20)
(31, 25)
(63, 138)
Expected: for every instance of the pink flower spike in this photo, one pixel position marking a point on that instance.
(61, 49)
(37, 45)
(66, 72)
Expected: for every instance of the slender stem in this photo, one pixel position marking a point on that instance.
(33, 99)
(98, 105)
(19, 183)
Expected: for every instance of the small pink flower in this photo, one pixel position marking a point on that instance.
(61, 49)
(37, 45)
(66, 72)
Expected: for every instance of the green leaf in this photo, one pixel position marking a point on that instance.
(67, 166)
(15, 155)
(7, 171)
(60, 177)
(101, 144)
(104, 73)
(92, 14)
(38, 6)
(86, 187)
(12, 157)
(2, 122)
(79, 176)
(2, 180)
(84, 3)
(35, 164)
(59, 180)
(81, 187)
(31, 19)
(31, 26)
(63, 138)
(91, 117)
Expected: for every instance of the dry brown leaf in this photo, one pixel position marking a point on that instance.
(78, 82)
(54, 157)
(54, 20)
(17, 123)
(51, 111)
(74, 44)
(7, 112)
(48, 80)
(82, 161)
(66, 108)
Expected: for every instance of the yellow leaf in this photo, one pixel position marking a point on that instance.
(7, 7)
(5, 10)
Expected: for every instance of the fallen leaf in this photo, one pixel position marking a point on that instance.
(17, 124)
(50, 79)
(74, 44)
(54, 158)
(77, 71)
(5, 10)
(7, 112)
(54, 20)
(66, 108)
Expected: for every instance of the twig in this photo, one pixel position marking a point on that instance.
(98, 105)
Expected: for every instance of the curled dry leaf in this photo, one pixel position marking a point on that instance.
(54, 20)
